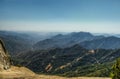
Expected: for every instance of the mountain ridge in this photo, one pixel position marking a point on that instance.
(65, 40)
(111, 42)
(72, 58)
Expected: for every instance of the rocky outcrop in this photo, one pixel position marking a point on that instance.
(48, 67)
(4, 57)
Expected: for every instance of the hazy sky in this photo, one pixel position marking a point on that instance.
(101, 16)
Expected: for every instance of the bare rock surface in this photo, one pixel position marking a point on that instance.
(4, 57)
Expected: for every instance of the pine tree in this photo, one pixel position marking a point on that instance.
(116, 70)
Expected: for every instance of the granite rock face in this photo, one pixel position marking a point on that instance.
(4, 57)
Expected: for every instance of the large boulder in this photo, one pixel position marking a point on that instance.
(4, 57)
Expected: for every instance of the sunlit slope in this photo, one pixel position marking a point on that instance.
(16, 73)
(24, 73)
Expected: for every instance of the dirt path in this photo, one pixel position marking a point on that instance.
(24, 73)
(57, 77)
(23, 76)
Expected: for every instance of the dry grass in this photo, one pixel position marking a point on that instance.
(57, 77)
(24, 73)
(16, 73)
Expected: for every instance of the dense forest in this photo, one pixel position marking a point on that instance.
(72, 55)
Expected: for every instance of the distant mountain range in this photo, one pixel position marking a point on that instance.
(103, 43)
(21, 42)
(67, 54)
(106, 34)
(17, 42)
(65, 40)
(85, 39)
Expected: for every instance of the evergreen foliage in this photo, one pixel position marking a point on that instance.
(116, 70)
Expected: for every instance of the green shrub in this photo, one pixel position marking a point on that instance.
(116, 70)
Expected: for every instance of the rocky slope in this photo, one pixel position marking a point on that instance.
(7, 71)
(4, 57)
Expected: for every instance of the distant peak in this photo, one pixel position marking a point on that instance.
(112, 37)
(81, 33)
(58, 35)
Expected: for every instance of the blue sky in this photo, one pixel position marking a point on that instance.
(101, 16)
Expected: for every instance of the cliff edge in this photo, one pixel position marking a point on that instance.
(4, 57)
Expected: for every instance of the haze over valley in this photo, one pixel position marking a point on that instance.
(59, 39)
(83, 54)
